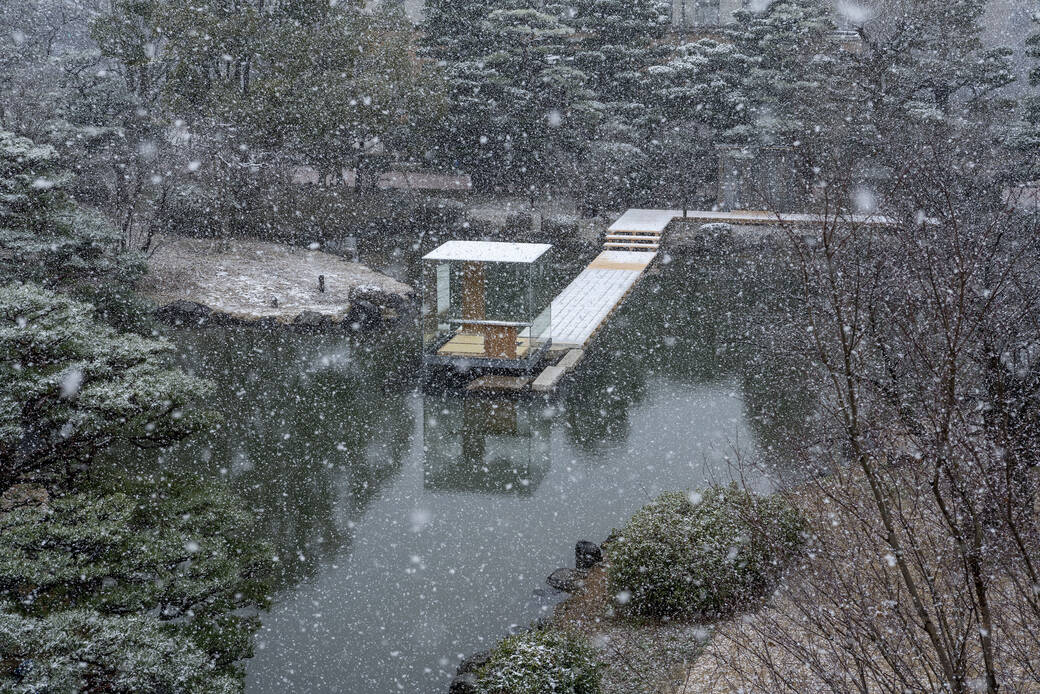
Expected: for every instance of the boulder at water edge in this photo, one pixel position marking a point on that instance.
(567, 580)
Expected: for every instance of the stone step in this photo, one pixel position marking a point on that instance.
(630, 246)
(571, 359)
(547, 380)
(623, 237)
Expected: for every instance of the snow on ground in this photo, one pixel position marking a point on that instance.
(243, 278)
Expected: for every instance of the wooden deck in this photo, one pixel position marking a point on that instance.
(581, 309)
(655, 221)
(644, 221)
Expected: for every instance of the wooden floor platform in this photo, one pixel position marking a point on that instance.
(471, 345)
(581, 309)
(644, 221)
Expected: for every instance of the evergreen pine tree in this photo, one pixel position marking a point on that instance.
(45, 236)
(924, 77)
(769, 81)
(704, 83)
(786, 85)
(761, 84)
(1033, 52)
(76, 387)
(615, 43)
(531, 88)
(1027, 139)
(178, 555)
(926, 59)
(82, 650)
(518, 106)
(453, 30)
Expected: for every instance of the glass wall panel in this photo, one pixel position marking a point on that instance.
(508, 286)
(485, 309)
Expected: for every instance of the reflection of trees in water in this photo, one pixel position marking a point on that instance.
(306, 419)
(776, 403)
(699, 320)
(609, 383)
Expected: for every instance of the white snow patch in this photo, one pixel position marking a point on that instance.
(854, 12)
(71, 382)
(864, 200)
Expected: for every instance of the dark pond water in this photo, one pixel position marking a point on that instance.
(413, 529)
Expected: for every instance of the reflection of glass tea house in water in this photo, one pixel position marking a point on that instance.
(485, 445)
(486, 304)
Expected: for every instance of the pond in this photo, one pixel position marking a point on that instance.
(415, 528)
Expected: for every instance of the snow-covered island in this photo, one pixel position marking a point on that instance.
(243, 280)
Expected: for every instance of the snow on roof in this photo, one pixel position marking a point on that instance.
(489, 251)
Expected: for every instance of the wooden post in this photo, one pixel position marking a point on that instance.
(474, 305)
(500, 341)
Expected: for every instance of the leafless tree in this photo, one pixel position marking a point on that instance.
(922, 572)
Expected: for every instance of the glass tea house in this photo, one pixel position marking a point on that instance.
(486, 304)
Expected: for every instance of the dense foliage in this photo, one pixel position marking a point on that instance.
(614, 44)
(71, 387)
(131, 571)
(541, 662)
(138, 585)
(453, 30)
(83, 651)
(761, 81)
(44, 235)
(702, 553)
(120, 554)
(127, 119)
(184, 557)
(1027, 140)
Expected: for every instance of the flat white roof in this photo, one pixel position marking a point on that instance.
(489, 251)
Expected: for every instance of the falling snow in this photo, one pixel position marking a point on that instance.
(257, 436)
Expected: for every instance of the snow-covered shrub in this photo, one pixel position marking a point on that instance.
(548, 661)
(84, 651)
(717, 229)
(701, 553)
